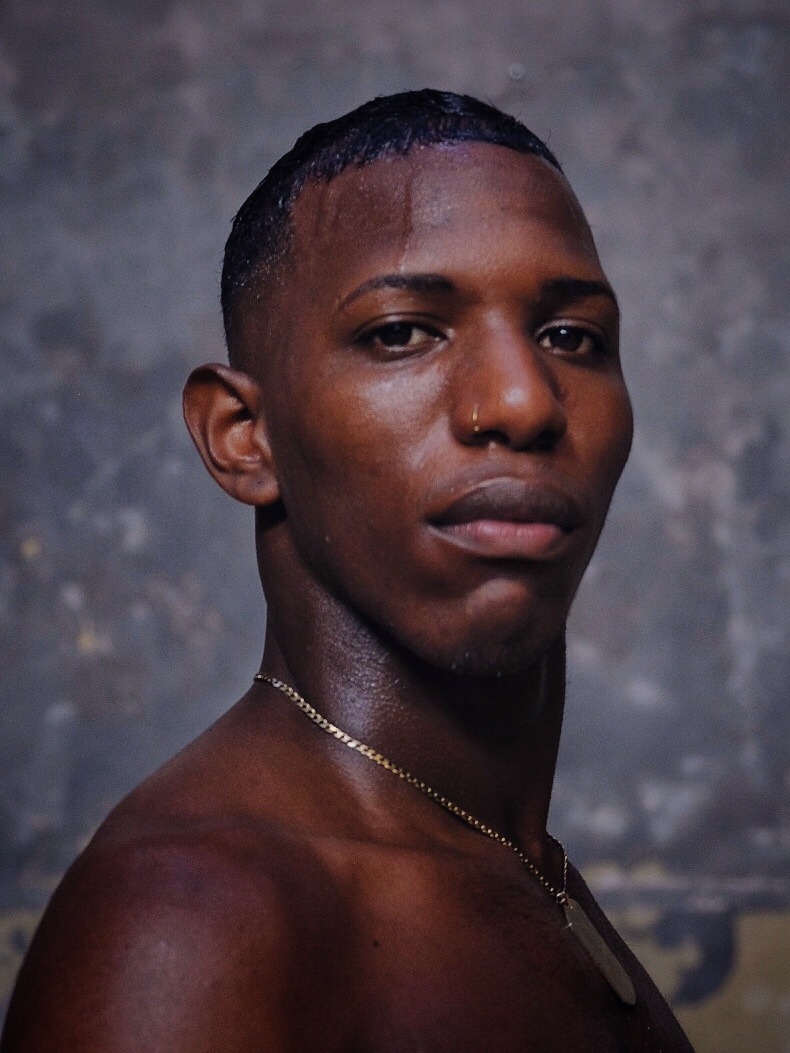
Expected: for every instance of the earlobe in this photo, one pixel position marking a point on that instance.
(223, 412)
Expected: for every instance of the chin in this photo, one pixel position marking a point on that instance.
(499, 660)
(502, 633)
(487, 655)
(485, 665)
(506, 640)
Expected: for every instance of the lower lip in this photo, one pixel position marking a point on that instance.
(504, 539)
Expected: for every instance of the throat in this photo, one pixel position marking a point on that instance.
(489, 743)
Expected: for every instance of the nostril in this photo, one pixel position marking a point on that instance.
(487, 437)
(545, 440)
(513, 398)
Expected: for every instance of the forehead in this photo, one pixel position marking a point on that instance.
(435, 201)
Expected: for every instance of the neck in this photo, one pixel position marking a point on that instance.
(487, 742)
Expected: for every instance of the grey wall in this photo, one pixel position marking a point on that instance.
(129, 609)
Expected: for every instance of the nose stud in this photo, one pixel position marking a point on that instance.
(475, 424)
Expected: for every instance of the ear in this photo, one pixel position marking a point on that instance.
(223, 410)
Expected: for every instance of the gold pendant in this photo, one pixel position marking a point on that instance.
(592, 941)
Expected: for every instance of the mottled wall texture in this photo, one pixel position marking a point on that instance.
(130, 614)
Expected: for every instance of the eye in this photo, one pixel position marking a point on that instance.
(401, 336)
(571, 339)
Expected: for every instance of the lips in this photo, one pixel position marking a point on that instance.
(510, 518)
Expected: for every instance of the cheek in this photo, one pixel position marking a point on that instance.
(622, 431)
(356, 419)
(604, 429)
(349, 455)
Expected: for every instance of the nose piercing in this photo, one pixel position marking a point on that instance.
(475, 425)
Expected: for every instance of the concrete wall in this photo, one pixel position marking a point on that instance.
(129, 609)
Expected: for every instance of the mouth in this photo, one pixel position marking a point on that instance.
(510, 518)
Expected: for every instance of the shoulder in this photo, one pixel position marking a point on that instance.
(190, 936)
(663, 1027)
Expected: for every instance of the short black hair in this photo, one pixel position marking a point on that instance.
(390, 124)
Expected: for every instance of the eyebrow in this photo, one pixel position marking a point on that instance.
(418, 283)
(563, 288)
(578, 289)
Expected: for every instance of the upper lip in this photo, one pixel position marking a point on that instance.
(512, 500)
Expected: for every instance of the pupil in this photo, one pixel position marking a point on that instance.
(397, 333)
(567, 339)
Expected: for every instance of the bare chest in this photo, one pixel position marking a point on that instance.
(444, 959)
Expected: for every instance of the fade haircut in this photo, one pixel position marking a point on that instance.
(260, 238)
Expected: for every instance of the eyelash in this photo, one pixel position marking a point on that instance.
(597, 342)
(432, 336)
(373, 337)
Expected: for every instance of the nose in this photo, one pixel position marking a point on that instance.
(508, 393)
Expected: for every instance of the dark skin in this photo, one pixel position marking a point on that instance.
(431, 426)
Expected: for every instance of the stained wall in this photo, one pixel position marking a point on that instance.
(129, 611)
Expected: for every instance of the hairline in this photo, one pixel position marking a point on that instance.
(270, 269)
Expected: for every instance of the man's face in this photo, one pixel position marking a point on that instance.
(447, 411)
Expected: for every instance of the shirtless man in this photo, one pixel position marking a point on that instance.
(427, 411)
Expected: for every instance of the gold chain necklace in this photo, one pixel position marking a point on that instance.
(577, 919)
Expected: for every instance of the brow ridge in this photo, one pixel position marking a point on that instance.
(419, 283)
(568, 288)
(564, 287)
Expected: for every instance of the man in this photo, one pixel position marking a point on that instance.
(427, 411)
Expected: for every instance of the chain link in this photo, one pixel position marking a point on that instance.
(561, 895)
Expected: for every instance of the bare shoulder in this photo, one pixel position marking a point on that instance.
(667, 1032)
(184, 936)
